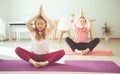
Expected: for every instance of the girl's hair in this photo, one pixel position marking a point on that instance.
(84, 19)
(42, 35)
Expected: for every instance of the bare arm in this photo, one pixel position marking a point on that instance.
(50, 22)
(76, 21)
(87, 20)
(29, 22)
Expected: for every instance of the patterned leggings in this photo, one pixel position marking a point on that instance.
(81, 45)
(50, 57)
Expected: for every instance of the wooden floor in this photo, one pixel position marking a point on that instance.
(112, 44)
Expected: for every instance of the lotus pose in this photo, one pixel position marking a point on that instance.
(81, 29)
(39, 54)
(82, 47)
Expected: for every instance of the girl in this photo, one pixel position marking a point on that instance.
(81, 28)
(39, 55)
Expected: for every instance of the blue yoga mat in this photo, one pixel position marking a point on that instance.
(69, 66)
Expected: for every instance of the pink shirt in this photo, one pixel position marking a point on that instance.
(81, 35)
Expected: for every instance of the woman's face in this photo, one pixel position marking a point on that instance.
(40, 24)
(82, 21)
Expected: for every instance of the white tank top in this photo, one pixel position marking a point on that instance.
(40, 47)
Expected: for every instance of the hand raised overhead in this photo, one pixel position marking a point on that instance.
(81, 12)
(41, 12)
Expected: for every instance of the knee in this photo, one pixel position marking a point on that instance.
(97, 39)
(18, 49)
(62, 52)
(67, 38)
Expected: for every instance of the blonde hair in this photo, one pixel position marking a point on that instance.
(39, 36)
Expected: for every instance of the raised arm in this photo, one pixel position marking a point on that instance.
(29, 22)
(76, 21)
(82, 14)
(50, 22)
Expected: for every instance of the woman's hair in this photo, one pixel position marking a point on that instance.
(41, 35)
(84, 19)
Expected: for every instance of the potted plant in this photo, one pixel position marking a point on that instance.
(106, 31)
(72, 15)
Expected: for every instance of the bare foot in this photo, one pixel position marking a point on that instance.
(86, 51)
(44, 63)
(40, 64)
(37, 64)
(78, 51)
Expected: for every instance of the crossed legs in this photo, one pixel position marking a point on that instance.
(82, 48)
(39, 60)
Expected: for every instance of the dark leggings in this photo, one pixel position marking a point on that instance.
(81, 45)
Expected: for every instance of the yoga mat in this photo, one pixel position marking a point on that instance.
(93, 53)
(69, 66)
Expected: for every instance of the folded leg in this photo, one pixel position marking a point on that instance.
(71, 43)
(92, 44)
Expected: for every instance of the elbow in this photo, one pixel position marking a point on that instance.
(26, 23)
(53, 24)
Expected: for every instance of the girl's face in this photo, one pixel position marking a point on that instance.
(40, 24)
(82, 21)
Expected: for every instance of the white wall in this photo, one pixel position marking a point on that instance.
(3, 11)
(101, 10)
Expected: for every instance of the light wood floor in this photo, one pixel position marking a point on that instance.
(112, 44)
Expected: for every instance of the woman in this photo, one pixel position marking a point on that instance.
(39, 55)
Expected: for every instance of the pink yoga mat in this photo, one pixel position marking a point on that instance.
(93, 53)
(69, 66)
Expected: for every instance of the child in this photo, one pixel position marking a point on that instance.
(81, 28)
(39, 55)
